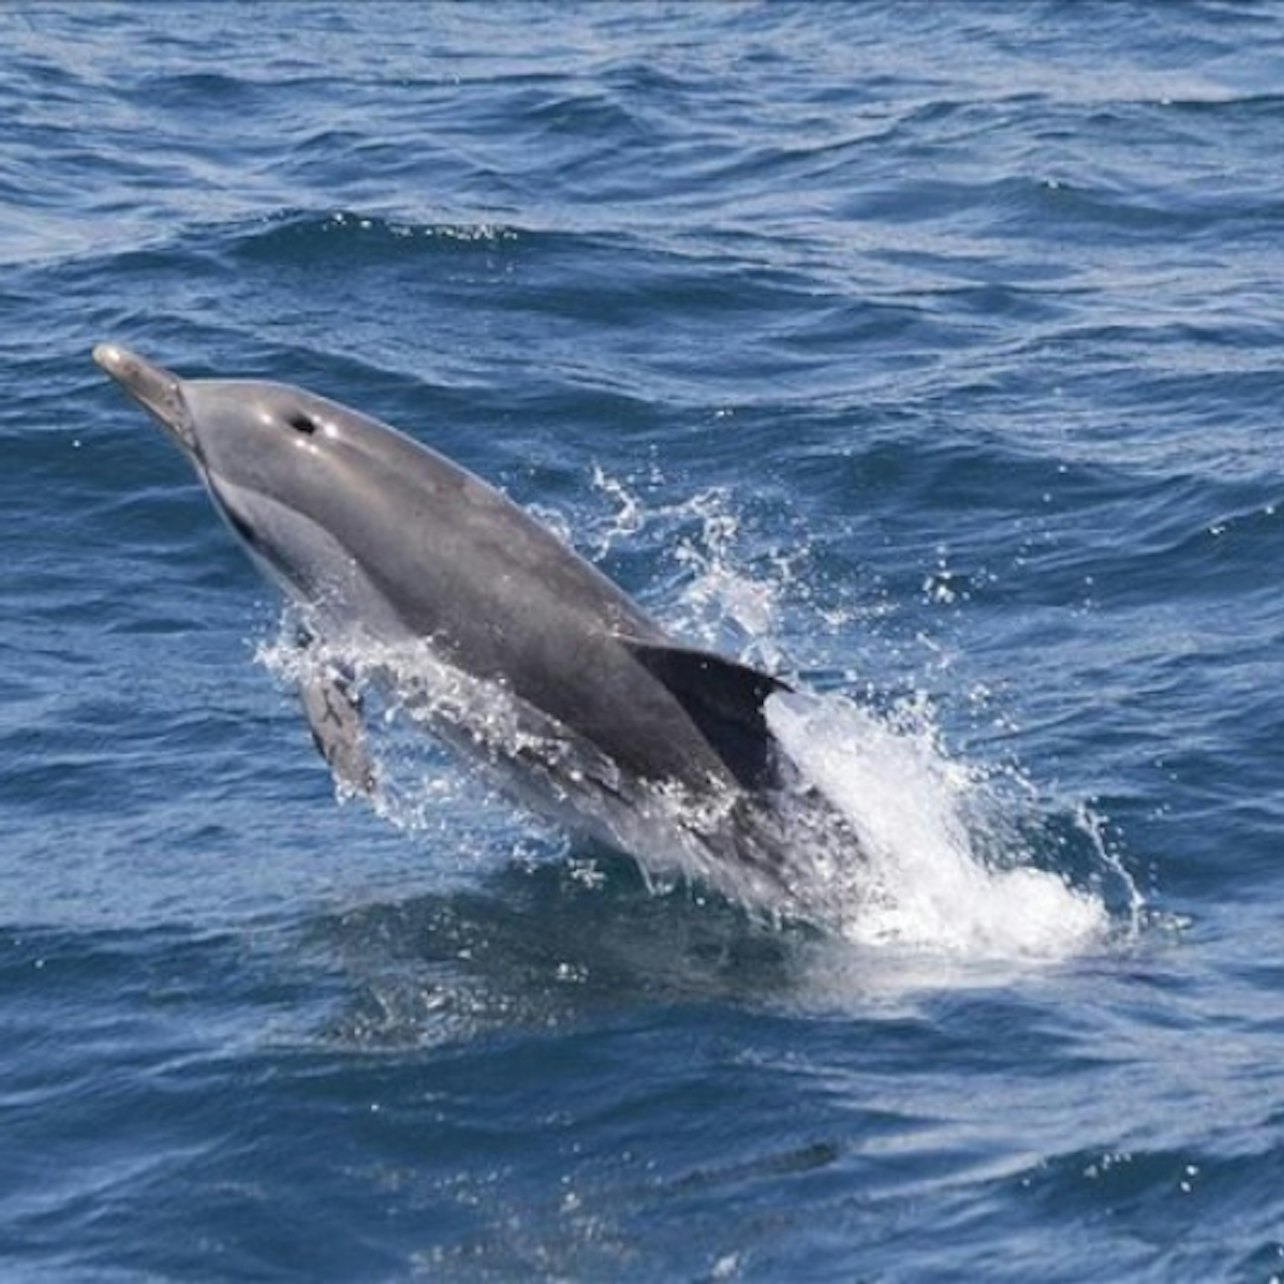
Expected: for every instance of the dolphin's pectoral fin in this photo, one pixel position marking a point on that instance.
(334, 714)
(724, 699)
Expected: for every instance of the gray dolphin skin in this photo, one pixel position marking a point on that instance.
(381, 542)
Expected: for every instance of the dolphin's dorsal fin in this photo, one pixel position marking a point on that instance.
(724, 699)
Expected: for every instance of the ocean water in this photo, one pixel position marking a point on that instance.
(930, 356)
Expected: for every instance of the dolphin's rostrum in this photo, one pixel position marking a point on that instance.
(386, 546)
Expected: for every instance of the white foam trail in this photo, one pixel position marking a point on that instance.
(922, 881)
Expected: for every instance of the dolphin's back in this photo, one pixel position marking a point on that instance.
(502, 598)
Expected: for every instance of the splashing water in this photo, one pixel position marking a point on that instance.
(422, 789)
(922, 880)
(702, 532)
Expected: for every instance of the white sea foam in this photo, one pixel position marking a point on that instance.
(924, 879)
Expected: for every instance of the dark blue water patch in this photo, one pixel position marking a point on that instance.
(198, 95)
(553, 279)
(576, 941)
(139, 1008)
(1142, 1187)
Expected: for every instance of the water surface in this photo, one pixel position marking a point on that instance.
(930, 358)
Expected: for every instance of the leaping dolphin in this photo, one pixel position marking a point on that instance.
(382, 542)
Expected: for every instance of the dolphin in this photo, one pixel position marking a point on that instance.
(387, 548)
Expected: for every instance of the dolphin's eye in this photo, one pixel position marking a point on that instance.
(302, 423)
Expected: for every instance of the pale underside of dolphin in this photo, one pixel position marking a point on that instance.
(383, 543)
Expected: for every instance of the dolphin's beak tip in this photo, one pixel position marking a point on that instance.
(157, 390)
(109, 356)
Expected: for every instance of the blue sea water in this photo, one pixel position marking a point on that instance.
(929, 355)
